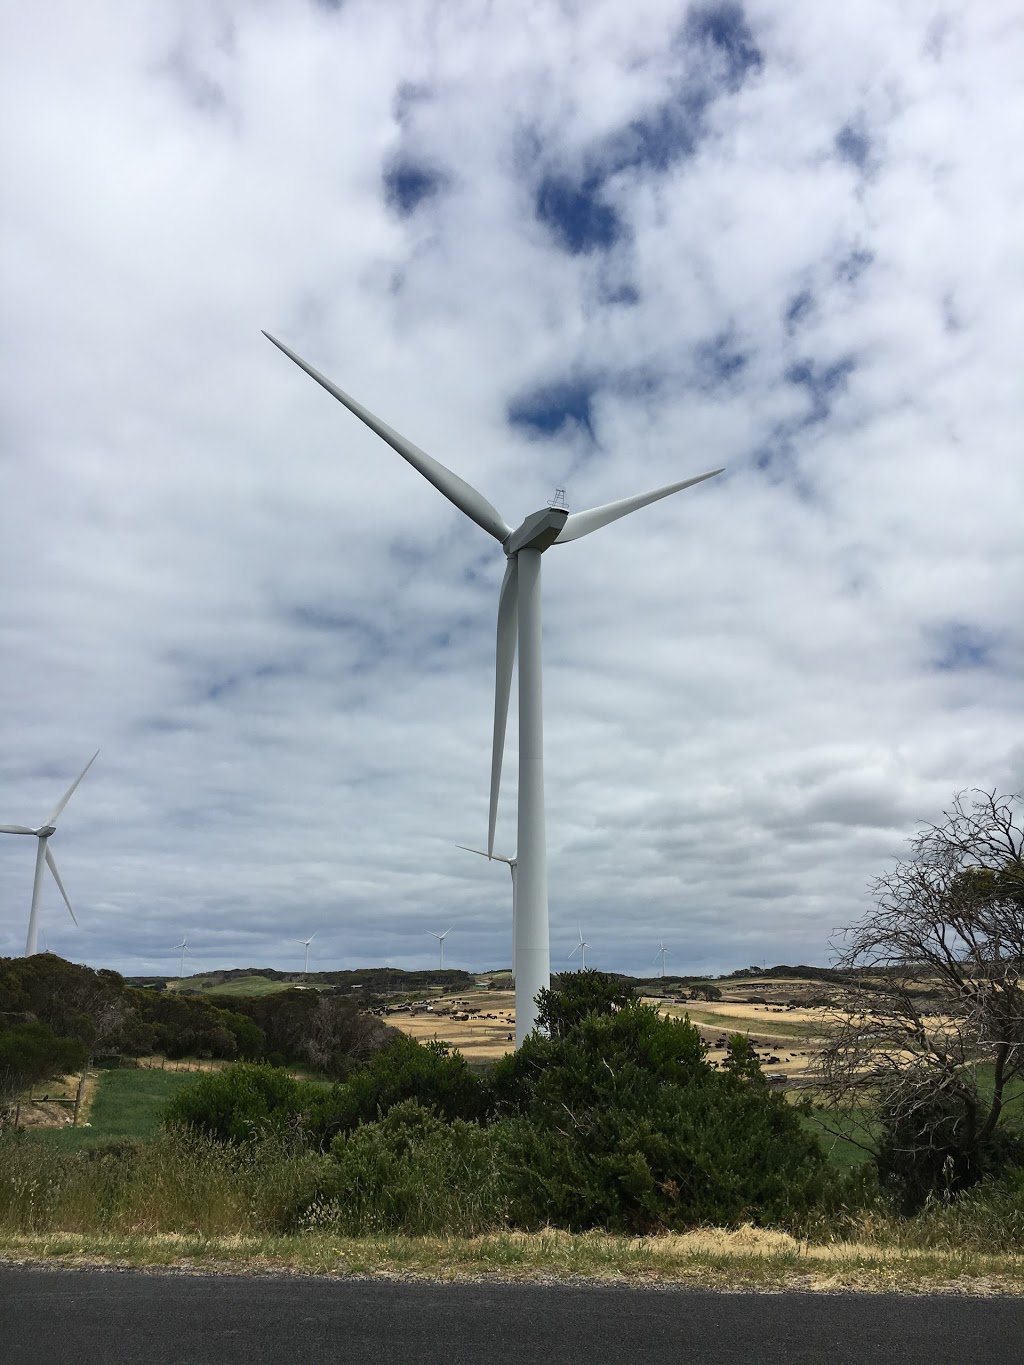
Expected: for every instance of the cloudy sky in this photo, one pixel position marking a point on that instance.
(580, 245)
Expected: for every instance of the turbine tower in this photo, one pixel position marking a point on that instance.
(513, 865)
(440, 938)
(43, 855)
(661, 953)
(306, 942)
(581, 947)
(519, 621)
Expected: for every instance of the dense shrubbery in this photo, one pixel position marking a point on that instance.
(617, 1121)
(241, 1101)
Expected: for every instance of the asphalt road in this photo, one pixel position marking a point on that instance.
(109, 1317)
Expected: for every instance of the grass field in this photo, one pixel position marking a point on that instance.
(242, 985)
(128, 1104)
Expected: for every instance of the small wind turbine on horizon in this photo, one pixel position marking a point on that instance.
(306, 942)
(184, 949)
(661, 953)
(513, 866)
(441, 938)
(43, 855)
(519, 625)
(581, 947)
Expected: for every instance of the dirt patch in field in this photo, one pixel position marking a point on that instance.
(485, 1035)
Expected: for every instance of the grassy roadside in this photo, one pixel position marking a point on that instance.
(748, 1259)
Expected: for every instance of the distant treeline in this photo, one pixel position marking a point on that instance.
(383, 980)
(56, 1010)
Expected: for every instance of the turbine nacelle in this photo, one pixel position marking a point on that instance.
(539, 531)
(44, 831)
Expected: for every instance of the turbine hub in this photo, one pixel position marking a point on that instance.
(44, 831)
(538, 531)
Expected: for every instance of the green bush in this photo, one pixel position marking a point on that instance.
(430, 1073)
(628, 1128)
(576, 995)
(416, 1173)
(241, 1102)
(929, 1145)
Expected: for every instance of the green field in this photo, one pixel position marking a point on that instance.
(128, 1104)
(211, 987)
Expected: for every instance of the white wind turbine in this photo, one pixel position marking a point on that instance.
(519, 615)
(184, 949)
(441, 938)
(513, 866)
(43, 855)
(306, 942)
(581, 947)
(661, 953)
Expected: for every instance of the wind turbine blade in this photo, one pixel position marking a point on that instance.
(67, 795)
(576, 949)
(60, 885)
(16, 829)
(496, 857)
(582, 523)
(504, 658)
(456, 490)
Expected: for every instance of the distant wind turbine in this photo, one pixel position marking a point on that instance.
(43, 855)
(306, 942)
(440, 938)
(519, 625)
(581, 947)
(661, 953)
(513, 866)
(184, 949)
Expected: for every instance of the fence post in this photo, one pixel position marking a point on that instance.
(78, 1097)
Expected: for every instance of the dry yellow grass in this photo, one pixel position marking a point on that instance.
(479, 1038)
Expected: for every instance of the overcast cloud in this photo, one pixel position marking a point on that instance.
(598, 247)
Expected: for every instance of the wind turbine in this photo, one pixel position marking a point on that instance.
(519, 618)
(43, 855)
(306, 942)
(581, 947)
(513, 866)
(440, 938)
(661, 953)
(184, 949)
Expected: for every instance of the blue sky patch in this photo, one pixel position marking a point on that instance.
(851, 267)
(577, 216)
(720, 360)
(799, 309)
(723, 30)
(822, 384)
(549, 408)
(853, 145)
(408, 184)
(962, 647)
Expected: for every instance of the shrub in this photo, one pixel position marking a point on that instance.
(929, 1143)
(576, 995)
(413, 1172)
(241, 1102)
(628, 1128)
(430, 1073)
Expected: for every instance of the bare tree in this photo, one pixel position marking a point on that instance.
(932, 991)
